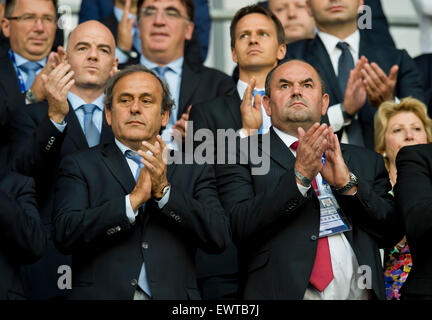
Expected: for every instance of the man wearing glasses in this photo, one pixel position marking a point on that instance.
(164, 26)
(28, 33)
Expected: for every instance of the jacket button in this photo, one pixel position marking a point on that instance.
(134, 282)
(145, 245)
(314, 237)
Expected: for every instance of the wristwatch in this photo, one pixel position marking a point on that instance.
(345, 114)
(164, 192)
(131, 54)
(353, 182)
(304, 181)
(30, 96)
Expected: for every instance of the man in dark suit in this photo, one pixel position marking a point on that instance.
(287, 248)
(23, 238)
(379, 72)
(71, 120)
(27, 41)
(413, 191)
(164, 27)
(139, 238)
(424, 65)
(256, 55)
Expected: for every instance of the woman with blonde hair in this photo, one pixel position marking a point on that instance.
(398, 125)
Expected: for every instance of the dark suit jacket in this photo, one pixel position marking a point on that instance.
(199, 84)
(23, 238)
(95, 10)
(91, 223)
(424, 65)
(37, 149)
(222, 112)
(408, 78)
(276, 228)
(413, 197)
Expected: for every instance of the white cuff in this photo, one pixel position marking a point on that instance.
(60, 126)
(131, 215)
(303, 190)
(162, 202)
(336, 118)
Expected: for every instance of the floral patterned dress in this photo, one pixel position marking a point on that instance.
(397, 267)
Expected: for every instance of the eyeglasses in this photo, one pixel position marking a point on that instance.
(31, 19)
(168, 13)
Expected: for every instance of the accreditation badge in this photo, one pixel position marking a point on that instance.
(332, 221)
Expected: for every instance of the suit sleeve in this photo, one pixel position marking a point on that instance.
(373, 208)
(409, 81)
(200, 214)
(76, 222)
(21, 229)
(254, 215)
(413, 191)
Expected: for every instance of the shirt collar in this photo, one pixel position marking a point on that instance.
(285, 137)
(176, 65)
(20, 60)
(330, 41)
(241, 88)
(121, 146)
(76, 102)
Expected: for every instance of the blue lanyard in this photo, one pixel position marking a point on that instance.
(323, 159)
(20, 77)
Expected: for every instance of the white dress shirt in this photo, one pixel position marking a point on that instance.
(344, 262)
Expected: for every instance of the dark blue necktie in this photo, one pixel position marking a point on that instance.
(345, 65)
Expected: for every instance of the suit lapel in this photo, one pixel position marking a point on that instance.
(10, 81)
(233, 102)
(118, 166)
(106, 134)
(321, 57)
(189, 82)
(279, 152)
(74, 130)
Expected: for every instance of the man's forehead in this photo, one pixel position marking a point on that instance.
(164, 3)
(296, 71)
(35, 6)
(138, 82)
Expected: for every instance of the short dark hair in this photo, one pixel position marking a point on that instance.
(270, 76)
(11, 4)
(261, 10)
(167, 102)
(188, 4)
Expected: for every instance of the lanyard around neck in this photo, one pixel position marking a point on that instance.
(20, 77)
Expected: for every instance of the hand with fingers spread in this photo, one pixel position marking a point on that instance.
(355, 92)
(57, 85)
(156, 165)
(124, 30)
(54, 59)
(142, 191)
(181, 123)
(311, 147)
(251, 111)
(379, 86)
(335, 172)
